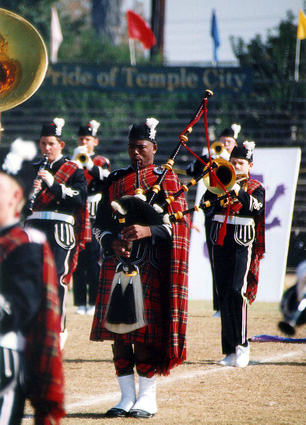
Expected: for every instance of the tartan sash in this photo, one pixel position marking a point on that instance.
(82, 228)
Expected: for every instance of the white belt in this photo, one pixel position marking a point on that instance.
(95, 198)
(234, 220)
(51, 215)
(13, 341)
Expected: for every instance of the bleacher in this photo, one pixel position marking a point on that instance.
(277, 128)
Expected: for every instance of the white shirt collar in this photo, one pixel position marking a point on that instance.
(56, 159)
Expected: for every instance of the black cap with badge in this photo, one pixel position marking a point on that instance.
(244, 152)
(144, 131)
(53, 129)
(90, 129)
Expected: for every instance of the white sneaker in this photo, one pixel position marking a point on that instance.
(229, 360)
(90, 310)
(242, 355)
(81, 309)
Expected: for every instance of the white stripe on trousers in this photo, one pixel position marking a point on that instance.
(65, 287)
(245, 301)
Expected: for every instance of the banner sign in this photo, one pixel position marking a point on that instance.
(277, 169)
(148, 79)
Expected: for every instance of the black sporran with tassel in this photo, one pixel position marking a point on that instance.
(125, 309)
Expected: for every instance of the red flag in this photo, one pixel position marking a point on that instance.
(139, 30)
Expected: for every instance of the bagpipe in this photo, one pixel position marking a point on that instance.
(219, 177)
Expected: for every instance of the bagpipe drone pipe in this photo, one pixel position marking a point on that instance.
(125, 308)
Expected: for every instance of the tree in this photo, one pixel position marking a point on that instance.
(39, 15)
(273, 61)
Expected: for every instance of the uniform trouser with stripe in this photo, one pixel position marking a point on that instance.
(231, 263)
(12, 392)
(61, 238)
(87, 274)
(61, 256)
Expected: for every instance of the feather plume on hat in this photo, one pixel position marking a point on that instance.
(94, 126)
(17, 163)
(59, 122)
(21, 150)
(249, 146)
(236, 129)
(152, 123)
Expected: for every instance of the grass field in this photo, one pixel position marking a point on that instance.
(270, 391)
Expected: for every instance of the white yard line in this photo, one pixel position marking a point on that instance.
(115, 395)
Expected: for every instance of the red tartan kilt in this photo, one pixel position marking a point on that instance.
(154, 332)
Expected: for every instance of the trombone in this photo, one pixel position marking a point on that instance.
(226, 177)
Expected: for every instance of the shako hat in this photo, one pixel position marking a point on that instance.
(90, 129)
(54, 128)
(244, 152)
(144, 131)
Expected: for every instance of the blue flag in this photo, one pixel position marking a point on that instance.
(215, 35)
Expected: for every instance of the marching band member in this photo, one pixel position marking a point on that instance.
(227, 139)
(59, 208)
(96, 169)
(226, 143)
(235, 259)
(160, 252)
(31, 362)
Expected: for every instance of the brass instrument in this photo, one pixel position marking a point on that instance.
(226, 176)
(23, 60)
(82, 157)
(217, 148)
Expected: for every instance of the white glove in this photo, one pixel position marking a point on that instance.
(105, 172)
(49, 179)
(236, 188)
(89, 164)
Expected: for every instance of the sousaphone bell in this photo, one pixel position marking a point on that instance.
(23, 60)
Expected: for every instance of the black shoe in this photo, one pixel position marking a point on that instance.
(138, 413)
(114, 412)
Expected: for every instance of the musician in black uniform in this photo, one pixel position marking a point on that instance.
(223, 148)
(29, 306)
(59, 208)
(96, 169)
(237, 236)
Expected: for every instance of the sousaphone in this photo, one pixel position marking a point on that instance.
(23, 60)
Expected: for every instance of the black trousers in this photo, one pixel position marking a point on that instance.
(231, 263)
(12, 390)
(87, 274)
(61, 240)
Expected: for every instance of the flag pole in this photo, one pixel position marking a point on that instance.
(132, 52)
(297, 59)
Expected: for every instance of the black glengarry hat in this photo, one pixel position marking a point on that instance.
(231, 132)
(90, 129)
(244, 152)
(53, 129)
(144, 131)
